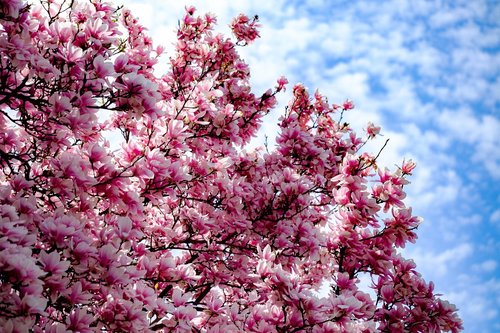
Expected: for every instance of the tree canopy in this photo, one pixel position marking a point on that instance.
(178, 227)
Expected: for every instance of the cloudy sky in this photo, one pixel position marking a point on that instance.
(428, 72)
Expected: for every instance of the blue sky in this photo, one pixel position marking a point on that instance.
(428, 72)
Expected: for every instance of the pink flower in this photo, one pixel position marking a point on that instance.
(120, 63)
(97, 153)
(245, 29)
(175, 129)
(348, 105)
(76, 294)
(372, 130)
(124, 224)
(282, 81)
(80, 321)
(342, 196)
(102, 68)
(11, 7)
(32, 304)
(145, 294)
(51, 263)
(408, 167)
(19, 266)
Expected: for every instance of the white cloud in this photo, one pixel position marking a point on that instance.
(438, 265)
(481, 132)
(475, 302)
(446, 18)
(474, 219)
(495, 216)
(349, 85)
(486, 266)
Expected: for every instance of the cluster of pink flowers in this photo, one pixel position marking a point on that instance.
(176, 228)
(245, 29)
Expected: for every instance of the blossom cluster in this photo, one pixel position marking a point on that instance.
(176, 227)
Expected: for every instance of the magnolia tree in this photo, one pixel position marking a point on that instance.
(175, 227)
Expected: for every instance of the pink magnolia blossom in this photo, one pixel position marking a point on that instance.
(372, 130)
(408, 167)
(348, 105)
(281, 82)
(245, 29)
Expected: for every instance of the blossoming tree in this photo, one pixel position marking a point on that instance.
(177, 228)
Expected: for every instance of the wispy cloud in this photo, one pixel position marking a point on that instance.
(441, 263)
